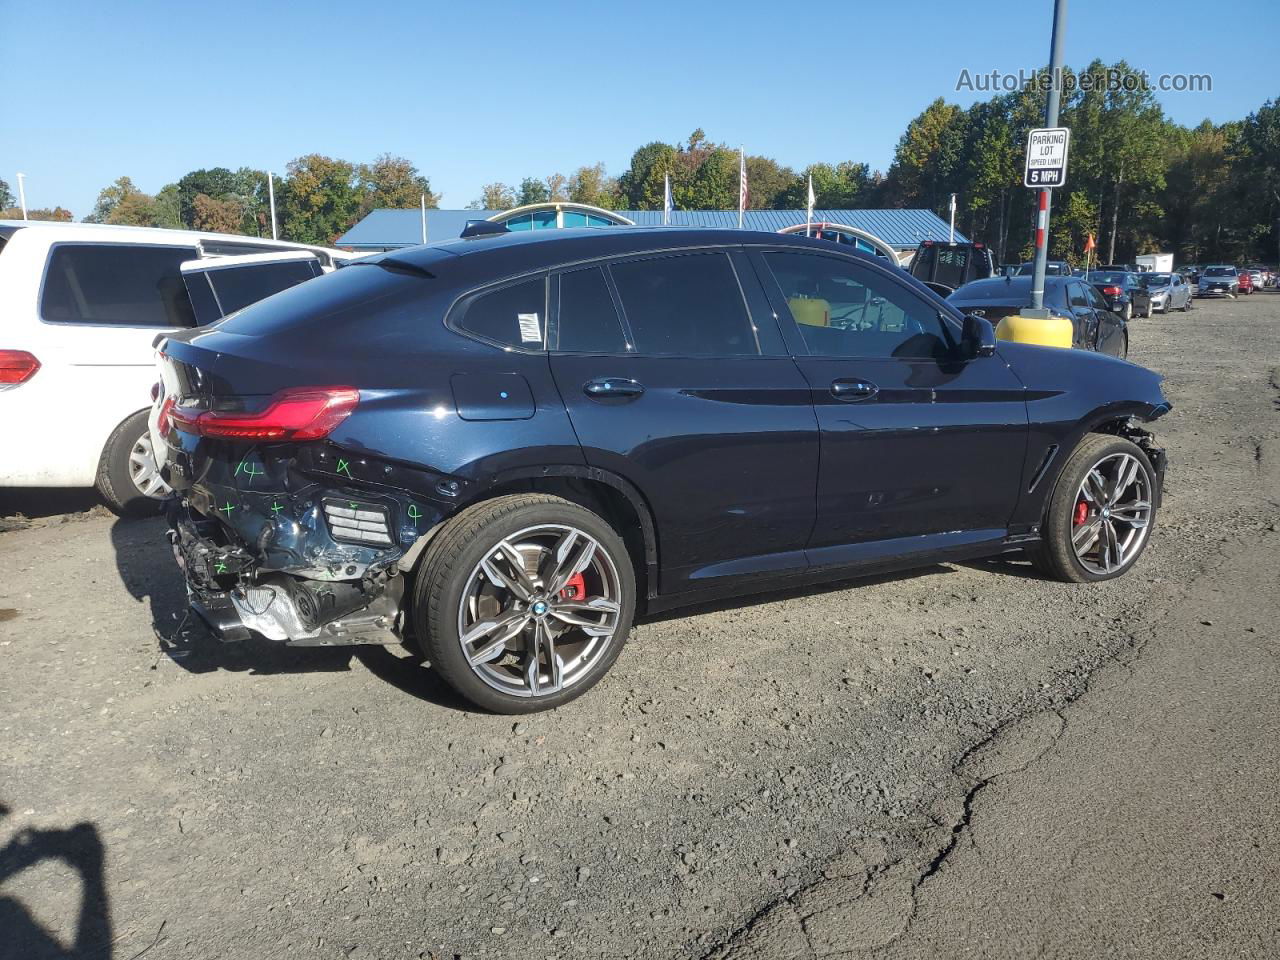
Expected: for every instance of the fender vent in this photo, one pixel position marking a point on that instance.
(353, 522)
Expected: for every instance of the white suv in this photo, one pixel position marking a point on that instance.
(80, 306)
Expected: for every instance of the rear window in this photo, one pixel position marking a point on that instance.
(514, 314)
(122, 284)
(237, 287)
(1220, 272)
(688, 305)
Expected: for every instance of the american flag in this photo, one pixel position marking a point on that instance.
(743, 194)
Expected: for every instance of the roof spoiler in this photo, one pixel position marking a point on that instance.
(483, 228)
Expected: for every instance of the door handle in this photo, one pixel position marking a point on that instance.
(853, 390)
(607, 387)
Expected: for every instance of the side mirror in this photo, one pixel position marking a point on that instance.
(977, 337)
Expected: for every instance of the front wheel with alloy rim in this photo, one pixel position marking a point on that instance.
(523, 602)
(1101, 513)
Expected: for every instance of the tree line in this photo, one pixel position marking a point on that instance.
(1137, 181)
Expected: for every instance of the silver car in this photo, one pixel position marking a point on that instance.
(1169, 291)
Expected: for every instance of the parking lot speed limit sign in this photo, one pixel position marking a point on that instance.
(1047, 157)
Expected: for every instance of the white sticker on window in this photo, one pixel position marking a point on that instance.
(530, 332)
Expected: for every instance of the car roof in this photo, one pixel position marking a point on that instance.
(1004, 288)
(73, 231)
(525, 250)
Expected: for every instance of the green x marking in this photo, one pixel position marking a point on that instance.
(220, 568)
(227, 509)
(344, 467)
(276, 508)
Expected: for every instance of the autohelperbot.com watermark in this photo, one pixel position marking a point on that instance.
(1111, 80)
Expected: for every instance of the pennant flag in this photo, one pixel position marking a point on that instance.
(668, 202)
(808, 220)
(1090, 244)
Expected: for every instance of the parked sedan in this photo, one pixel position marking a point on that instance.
(1245, 280)
(1123, 292)
(1094, 325)
(1168, 291)
(1220, 280)
(703, 413)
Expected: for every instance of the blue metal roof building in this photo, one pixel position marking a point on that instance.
(901, 229)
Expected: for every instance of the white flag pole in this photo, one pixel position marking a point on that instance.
(666, 199)
(951, 238)
(742, 184)
(271, 201)
(808, 222)
(424, 218)
(22, 194)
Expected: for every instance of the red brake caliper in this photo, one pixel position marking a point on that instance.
(1081, 514)
(575, 589)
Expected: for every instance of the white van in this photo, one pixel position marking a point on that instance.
(80, 306)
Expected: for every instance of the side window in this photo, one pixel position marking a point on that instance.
(514, 314)
(688, 305)
(588, 320)
(845, 310)
(1078, 296)
(121, 283)
(202, 298)
(237, 287)
(1095, 298)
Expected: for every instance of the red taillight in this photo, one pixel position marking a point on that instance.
(164, 421)
(17, 366)
(1111, 291)
(300, 413)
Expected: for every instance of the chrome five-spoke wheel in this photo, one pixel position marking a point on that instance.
(539, 610)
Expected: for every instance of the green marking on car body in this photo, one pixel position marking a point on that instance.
(414, 513)
(275, 507)
(220, 568)
(344, 467)
(227, 508)
(251, 470)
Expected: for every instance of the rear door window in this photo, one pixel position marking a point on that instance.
(588, 319)
(514, 315)
(237, 287)
(688, 305)
(117, 284)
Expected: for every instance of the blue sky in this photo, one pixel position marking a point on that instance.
(480, 91)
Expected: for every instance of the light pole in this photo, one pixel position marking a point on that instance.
(1050, 120)
(951, 236)
(22, 194)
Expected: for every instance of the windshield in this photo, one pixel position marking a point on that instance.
(1157, 279)
(1107, 277)
(1220, 272)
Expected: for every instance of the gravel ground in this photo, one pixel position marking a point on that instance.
(164, 793)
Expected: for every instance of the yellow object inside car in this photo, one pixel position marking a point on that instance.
(1052, 331)
(811, 311)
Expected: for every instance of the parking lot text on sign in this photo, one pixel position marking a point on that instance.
(1047, 157)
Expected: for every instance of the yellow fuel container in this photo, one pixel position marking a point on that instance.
(1051, 331)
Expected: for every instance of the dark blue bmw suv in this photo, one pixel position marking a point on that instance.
(498, 449)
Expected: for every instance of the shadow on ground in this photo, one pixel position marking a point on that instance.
(22, 936)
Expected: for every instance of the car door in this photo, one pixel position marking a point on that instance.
(1083, 316)
(1112, 337)
(675, 377)
(921, 449)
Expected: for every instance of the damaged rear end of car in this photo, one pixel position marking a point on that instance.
(286, 522)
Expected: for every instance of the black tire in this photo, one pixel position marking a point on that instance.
(114, 481)
(456, 551)
(1151, 309)
(1128, 311)
(1055, 556)
(1124, 354)
(1186, 307)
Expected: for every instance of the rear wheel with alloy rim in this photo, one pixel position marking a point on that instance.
(1101, 513)
(524, 602)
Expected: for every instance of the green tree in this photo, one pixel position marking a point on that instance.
(532, 190)
(393, 183)
(215, 182)
(111, 197)
(494, 196)
(926, 163)
(594, 186)
(167, 208)
(642, 183)
(320, 199)
(217, 216)
(767, 183)
(6, 196)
